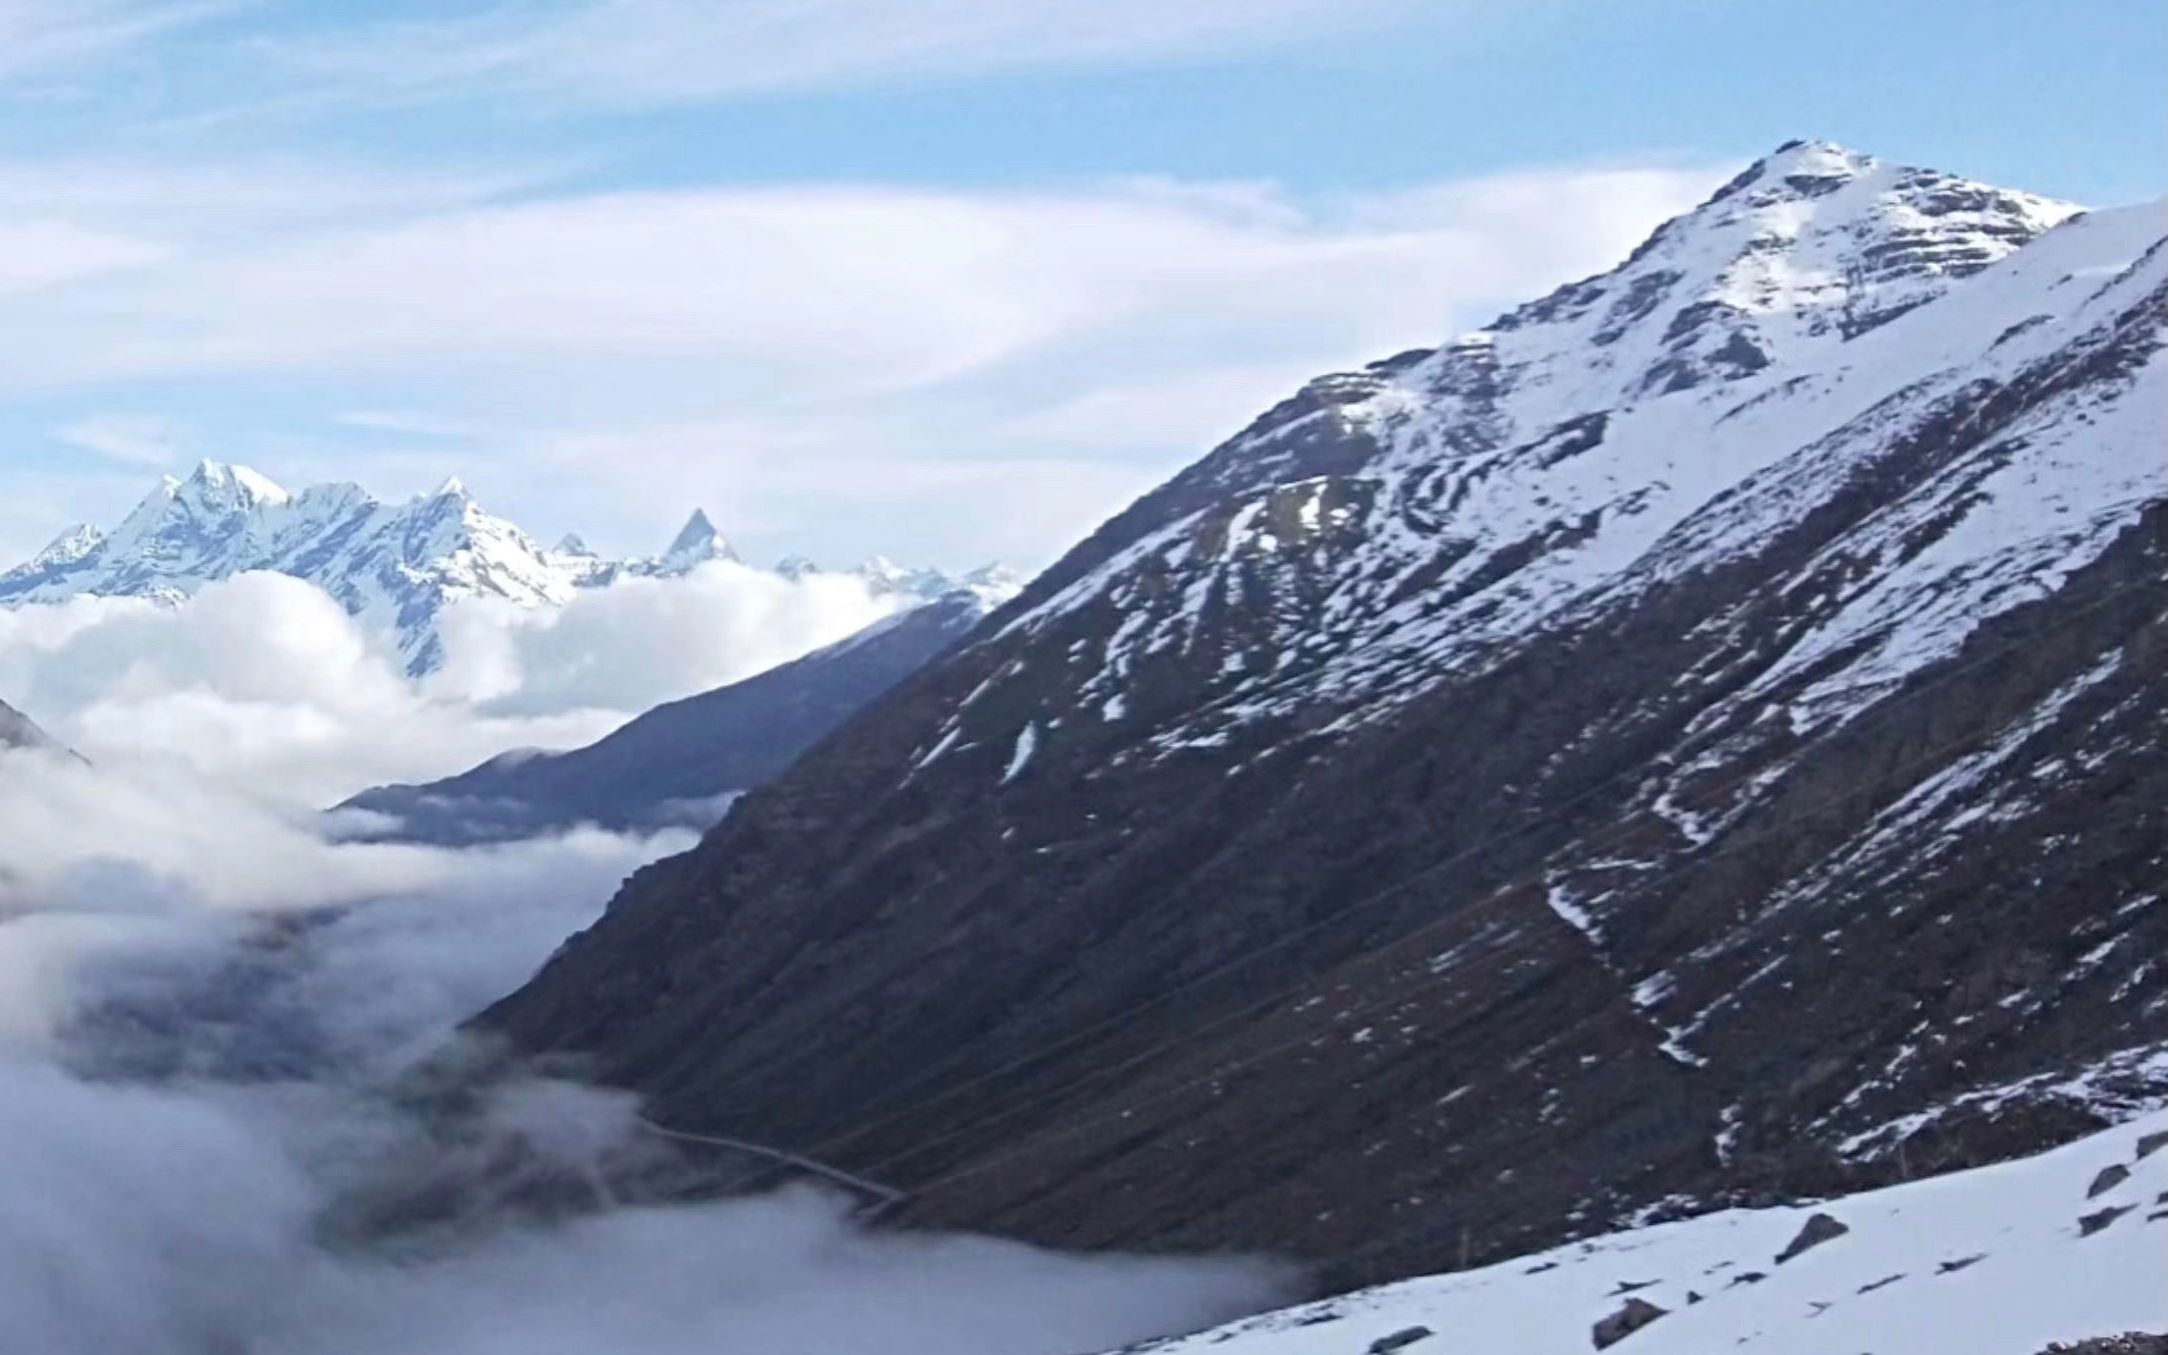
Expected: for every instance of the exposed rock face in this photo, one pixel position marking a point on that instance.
(679, 763)
(1636, 1314)
(2101, 1219)
(1570, 768)
(17, 730)
(2109, 1179)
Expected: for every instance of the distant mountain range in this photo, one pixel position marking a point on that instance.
(1697, 738)
(680, 764)
(395, 567)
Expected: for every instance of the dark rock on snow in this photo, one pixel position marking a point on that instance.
(2110, 1177)
(1636, 1314)
(2100, 1219)
(1819, 1228)
(2132, 1343)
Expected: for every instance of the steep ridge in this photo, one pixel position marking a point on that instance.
(1578, 768)
(17, 730)
(679, 764)
(395, 567)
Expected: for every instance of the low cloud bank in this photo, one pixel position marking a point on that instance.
(263, 682)
(204, 1006)
(641, 642)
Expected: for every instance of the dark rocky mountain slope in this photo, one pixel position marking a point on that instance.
(1698, 737)
(18, 731)
(680, 763)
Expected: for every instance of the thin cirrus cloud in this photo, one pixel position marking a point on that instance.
(126, 438)
(781, 281)
(658, 52)
(1115, 328)
(39, 37)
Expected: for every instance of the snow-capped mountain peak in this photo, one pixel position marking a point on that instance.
(1410, 515)
(1807, 247)
(70, 546)
(696, 543)
(221, 484)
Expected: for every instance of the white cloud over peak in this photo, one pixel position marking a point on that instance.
(641, 642)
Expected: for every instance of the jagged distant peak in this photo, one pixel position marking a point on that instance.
(696, 543)
(697, 534)
(990, 585)
(996, 574)
(70, 546)
(394, 565)
(225, 483)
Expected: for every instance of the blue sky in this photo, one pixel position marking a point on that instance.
(847, 271)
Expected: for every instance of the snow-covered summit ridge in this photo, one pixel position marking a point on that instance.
(1387, 525)
(395, 566)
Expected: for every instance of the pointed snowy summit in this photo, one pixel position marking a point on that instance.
(697, 543)
(225, 485)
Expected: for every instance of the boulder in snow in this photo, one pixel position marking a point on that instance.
(1637, 1313)
(1819, 1228)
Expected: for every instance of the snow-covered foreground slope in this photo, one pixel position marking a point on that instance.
(2000, 1260)
(395, 566)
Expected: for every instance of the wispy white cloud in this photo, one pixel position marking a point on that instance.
(868, 289)
(131, 439)
(642, 52)
(40, 253)
(239, 200)
(41, 37)
(773, 353)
